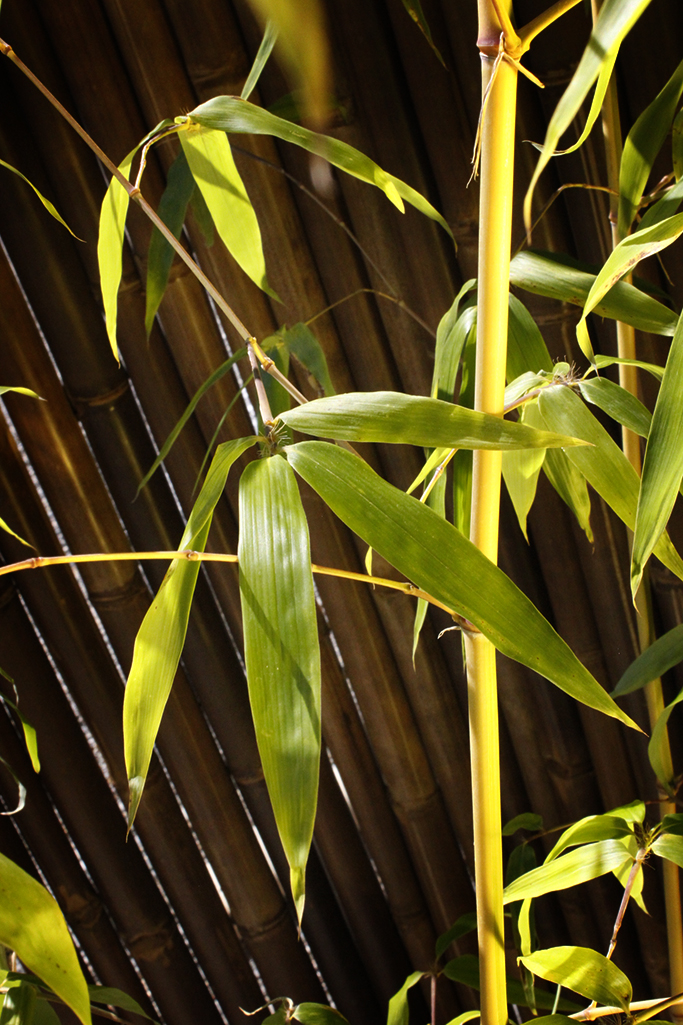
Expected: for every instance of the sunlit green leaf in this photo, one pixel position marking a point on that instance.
(189, 410)
(618, 403)
(172, 208)
(615, 20)
(521, 469)
(465, 1016)
(451, 335)
(110, 246)
(270, 35)
(21, 391)
(317, 1014)
(6, 527)
(232, 114)
(665, 653)
(663, 463)
(398, 1005)
(51, 209)
(32, 925)
(303, 46)
(584, 971)
(115, 998)
(603, 464)
(670, 847)
(467, 923)
(528, 820)
(213, 167)
(622, 260)
(434, 555)
(589, 830)
(281, 652)
(465, 969)
(578, 866)
(651, 368)
(160, 639)
(642, 145)
(558, 276)
(413, 420)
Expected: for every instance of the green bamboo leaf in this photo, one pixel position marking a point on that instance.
(32, 925)
(589, 830)
(622, 260)
(30, 736)
(303, 46)
(281, 652)
(615, 20)
(528, 820)
(673, 824)
(19, 1004)
(677, 145)
(603, 464)
(45, 1014)
(434, 555)
(584, 971)
(180, 186)
(189, 410)
(662, 465)
(578, 866)
(6, 527)
(413, 420)
(270, 35)
(467, 923)
(232, 114)
(22, 391)
(464, 1017)
(451, 335)
(414, 9)
(110, 246)
(665, 653)
(642, 145)
(398, 1005)
(526, 349)
(317, 1014)
(664, 207)
(521, 470)
(618, 403)
(658, 750)
(21, 790)
(558, 276)
(670, 847)
(116, 998)
(465, 969)
(51, 209)
(213, 167)
(306, 348)
(160, 639)
(608, 361)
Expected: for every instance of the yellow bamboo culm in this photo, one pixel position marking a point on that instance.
(497, 128)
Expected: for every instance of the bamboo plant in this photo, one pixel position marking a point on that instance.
(441, 565)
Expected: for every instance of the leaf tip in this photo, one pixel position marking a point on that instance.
(136, 784)
(297, 880)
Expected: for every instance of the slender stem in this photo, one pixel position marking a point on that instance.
(380, 295)
(433, 999)
(188, 555)
(495, 226)
(636, 1005)
(630, 882)
(532, 29)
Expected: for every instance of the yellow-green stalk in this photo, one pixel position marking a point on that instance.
(626, 348)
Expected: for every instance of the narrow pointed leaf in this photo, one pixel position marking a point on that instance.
(527, 820)
(527, 350)
(213, 167)
(270, 35)
(618, 403)
(664, 654)
(6, 527)
(665, 207)
(615, 20)
(467, 923)
(189, 410)
(21, 790)
(465, 1016)
(116, 998)
(434, 555)
(584, 971)
(669, 847)
(160, 639)
(520, 473)
(281, 652)
(622, 260)
(651, 368)
(232, 114)
(398, 1005)
(558, 276)
(465, 969)
(21, 391)
(303, 46)
(642, 145)
(589, 830)
(413, 420)
(578, 866)
(305, 347)
(677, 145)
(51, 209)
(317, 1014)
(658, 750)
(663, 463)
(603, 464)
(172, 208)
(451, 336)
(414, 9)
(32, 925)
(110, 246)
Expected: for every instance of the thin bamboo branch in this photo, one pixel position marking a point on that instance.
(532, 29)
(590, 1013)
